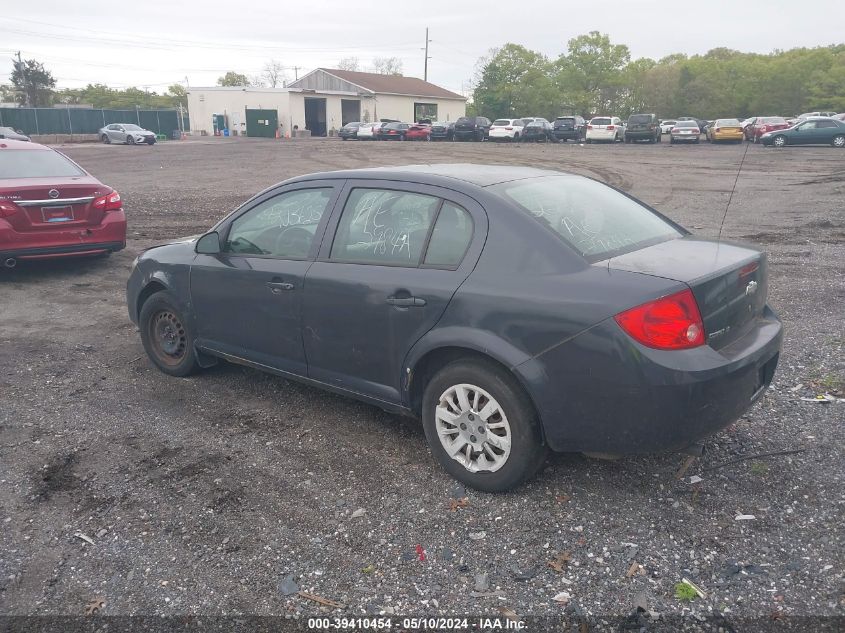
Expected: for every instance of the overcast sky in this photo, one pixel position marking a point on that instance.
(163, 42)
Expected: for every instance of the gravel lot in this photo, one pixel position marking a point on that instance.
(226, 492)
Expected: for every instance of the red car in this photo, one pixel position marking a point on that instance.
(51, 207)
(765, 124)
(418, 132)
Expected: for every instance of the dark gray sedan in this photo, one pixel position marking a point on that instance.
(513, 310)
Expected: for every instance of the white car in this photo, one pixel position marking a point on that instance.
(506, 129)
(366, 131)
(605, 128)
(687, 131)
(666, 126)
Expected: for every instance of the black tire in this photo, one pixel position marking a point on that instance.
(175, 356)
(838, 141)
(527, 453)
(152, 141)
(130, 140)
(105, 138)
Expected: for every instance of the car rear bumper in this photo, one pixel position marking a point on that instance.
(468, 134)
(685, 137)
(603, 392)
(732, 136)
(636, 135)
(110, 235)
(563, 135)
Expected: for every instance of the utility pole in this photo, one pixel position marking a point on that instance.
(425, 68)
(23, 78)
(296, 73)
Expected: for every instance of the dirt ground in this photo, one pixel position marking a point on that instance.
(226, 492)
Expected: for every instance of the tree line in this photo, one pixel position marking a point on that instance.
(595, 76)
(33, 85)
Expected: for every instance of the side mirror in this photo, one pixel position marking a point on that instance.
(208, 244)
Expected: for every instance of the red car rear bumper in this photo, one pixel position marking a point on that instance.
(109, 235)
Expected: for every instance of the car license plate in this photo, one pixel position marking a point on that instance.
(57, 214)
(686, 132)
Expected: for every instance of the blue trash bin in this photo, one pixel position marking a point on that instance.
(225, 131)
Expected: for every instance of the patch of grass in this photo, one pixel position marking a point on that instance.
(684, 592)
(759, 468)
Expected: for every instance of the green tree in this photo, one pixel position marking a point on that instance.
(232, 78)
(33, 82)
(590, 74)
(514, 81)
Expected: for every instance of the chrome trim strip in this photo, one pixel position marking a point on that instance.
(52, 202)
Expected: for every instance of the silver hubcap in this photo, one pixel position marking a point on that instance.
(473, 428)
(839, 141)
(780, 141)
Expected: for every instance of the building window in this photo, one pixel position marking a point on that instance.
(425, 111)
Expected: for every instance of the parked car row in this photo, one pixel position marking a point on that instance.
(611, 129)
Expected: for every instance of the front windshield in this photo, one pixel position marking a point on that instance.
(595, 220)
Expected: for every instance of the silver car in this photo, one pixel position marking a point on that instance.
(7, 132)
(128, 133)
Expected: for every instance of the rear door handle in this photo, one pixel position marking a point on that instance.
(406, 302)
(276, 287)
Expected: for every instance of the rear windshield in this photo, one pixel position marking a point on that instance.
(595, 220)
(36, 163)
(640, 118)
(600, 121)
(502, 122)
(464, 120)
(686, 124)
(728, 123)
(565, 119)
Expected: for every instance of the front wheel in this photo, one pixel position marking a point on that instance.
(481, 426)
(130, 140)
(167, 335)
(838, 141)
(779, 141)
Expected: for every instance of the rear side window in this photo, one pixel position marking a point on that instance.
(36, 163)
(594, 219)
(451, 237)
(380, 226)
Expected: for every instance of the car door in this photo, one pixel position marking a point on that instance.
(825, 131)
(805, 134)
(247, 299)
(393, 257)
(113, 132)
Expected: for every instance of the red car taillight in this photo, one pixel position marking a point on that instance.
(611, 127)
(7, 208)
(109, 202)
(508, 128)
(671, 323)
(675, 130)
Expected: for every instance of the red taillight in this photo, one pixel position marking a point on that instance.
(672, 322)
(675, 129)
(109, 202)
(611, 127)
(508, 128)
(716, 129)
(589, 127)
(7, 208)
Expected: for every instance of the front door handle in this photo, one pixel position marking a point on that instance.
(276, 287)
(406, 302)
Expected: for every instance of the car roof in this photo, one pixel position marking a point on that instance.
(8, 143)
(443, 174)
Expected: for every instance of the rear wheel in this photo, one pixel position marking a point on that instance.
(481, 426)
(167, 335)
(105, 138)
(838, 141)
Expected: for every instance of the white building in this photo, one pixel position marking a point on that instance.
(321, 101)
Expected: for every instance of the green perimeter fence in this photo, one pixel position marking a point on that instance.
(88, 121)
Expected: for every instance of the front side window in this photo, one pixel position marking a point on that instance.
(283, 226)
(380, 226)
(594, 219)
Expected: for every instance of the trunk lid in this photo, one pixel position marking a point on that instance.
(729, 281)
(45, 203)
